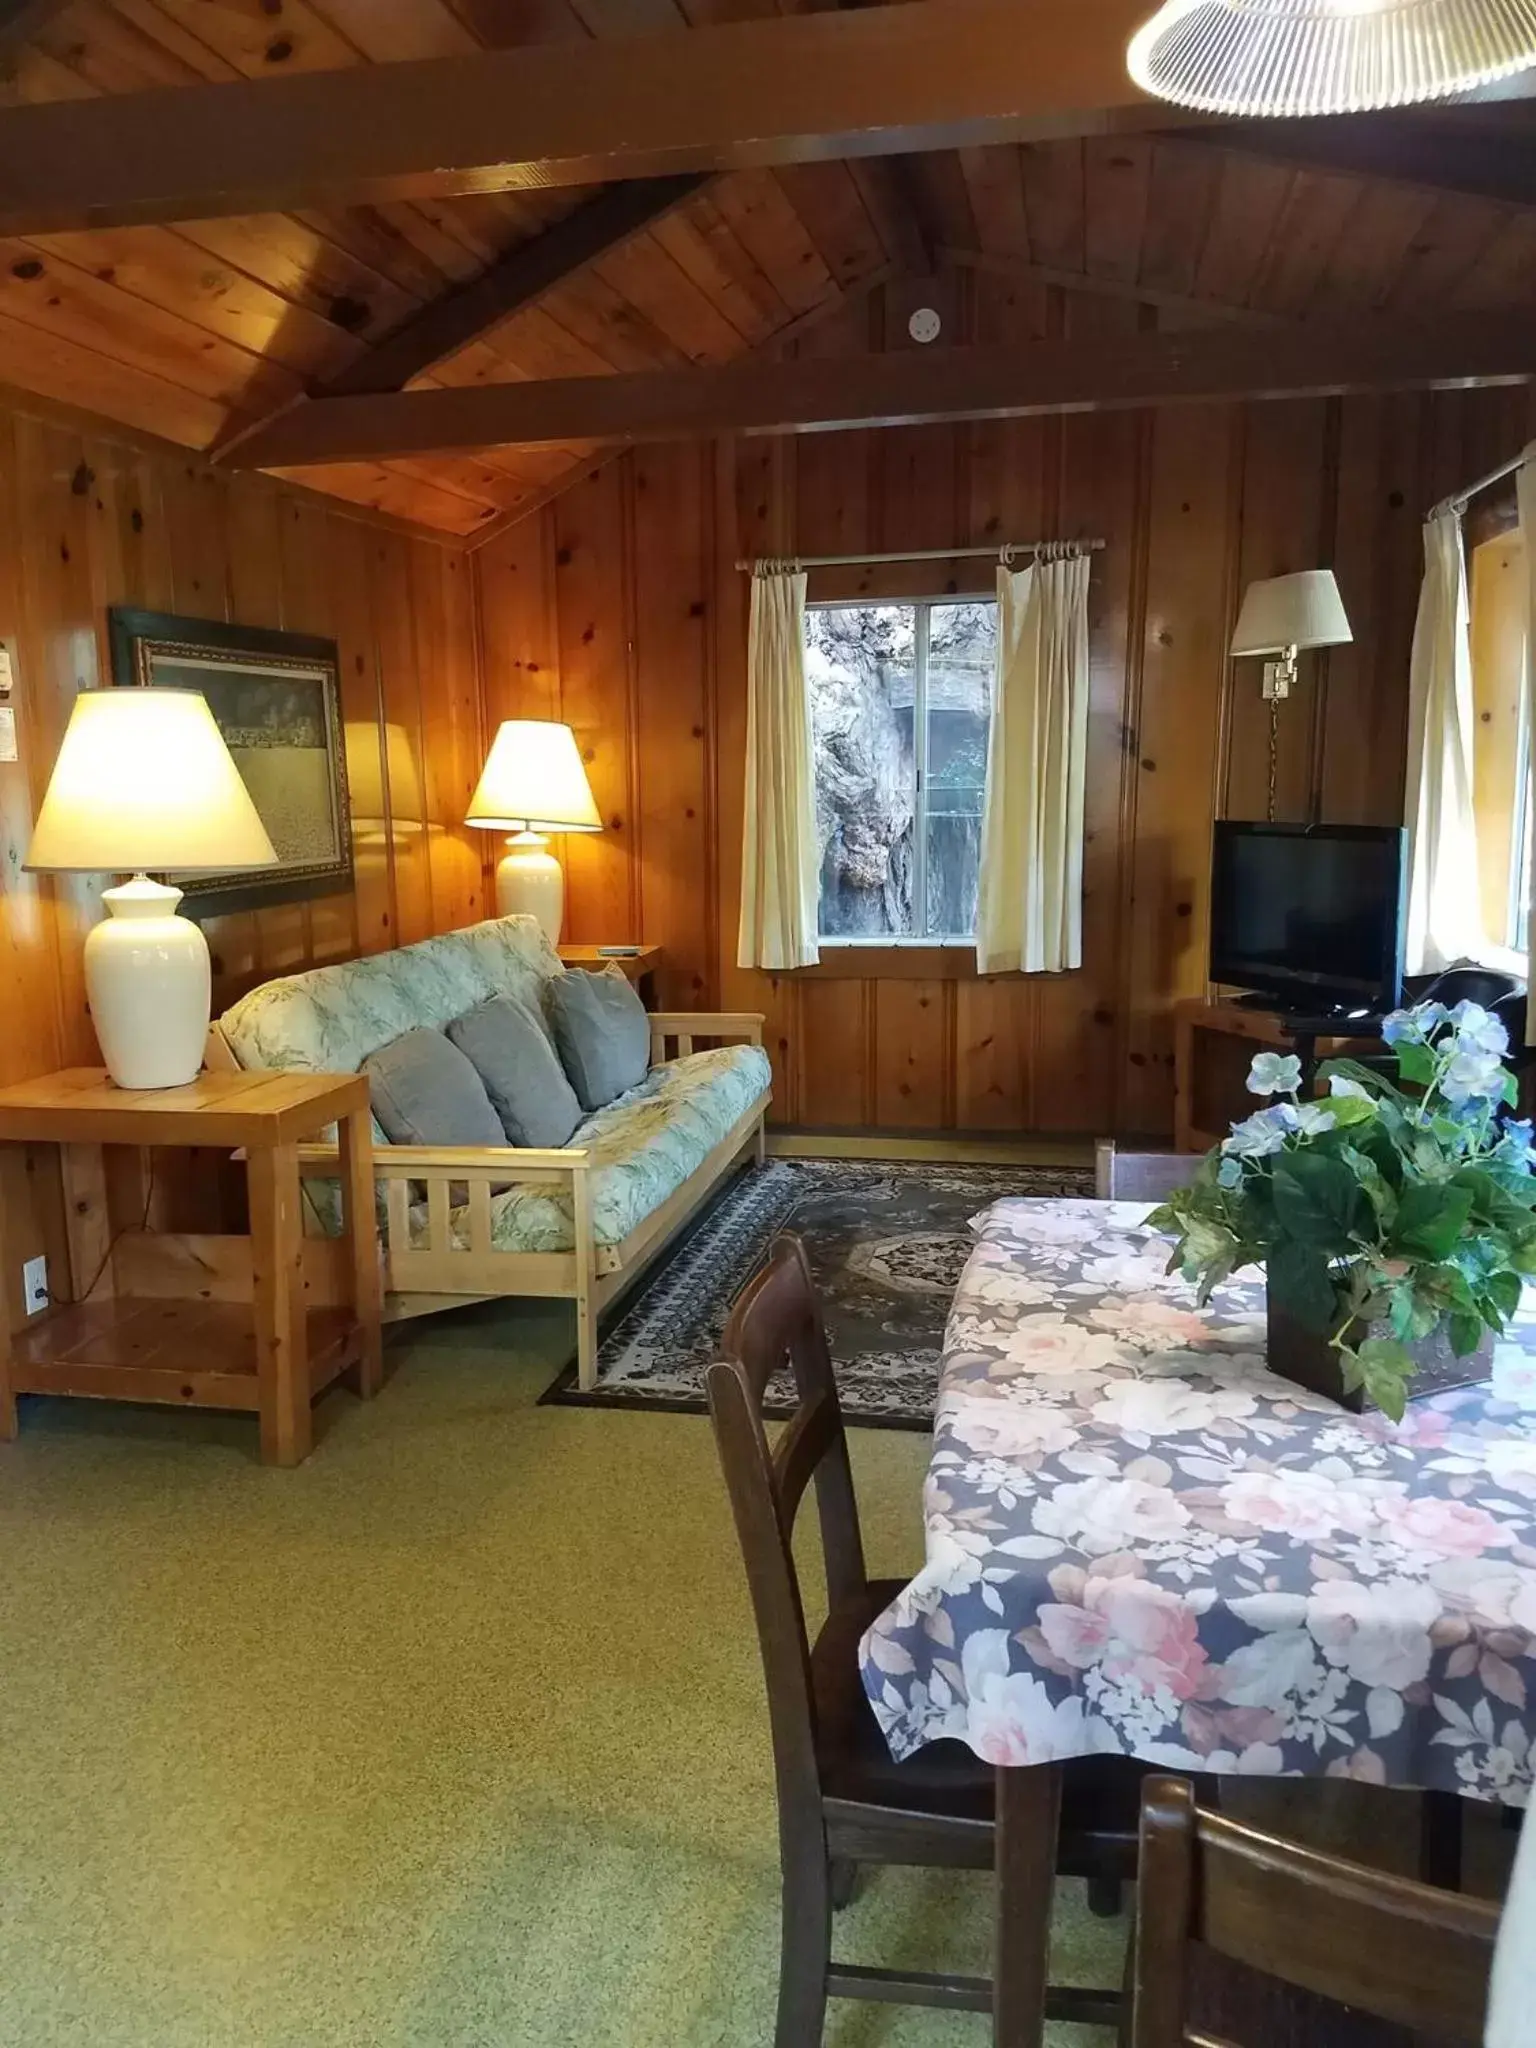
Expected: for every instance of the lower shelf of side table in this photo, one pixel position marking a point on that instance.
(192, 1354)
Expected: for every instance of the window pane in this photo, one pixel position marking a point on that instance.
(861, 675)
(962, 648)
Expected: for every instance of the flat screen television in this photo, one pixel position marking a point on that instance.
(1311, 915)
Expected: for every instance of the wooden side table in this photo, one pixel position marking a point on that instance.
(640, 966)
(1213, 1048)
(258, 1323)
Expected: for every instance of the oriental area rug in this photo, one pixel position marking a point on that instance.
(886, 1242)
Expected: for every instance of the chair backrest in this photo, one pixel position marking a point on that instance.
(776, 1324)
(1140, 1176)
(1383, 1945)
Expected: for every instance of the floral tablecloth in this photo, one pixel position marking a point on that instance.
(1140, 1541)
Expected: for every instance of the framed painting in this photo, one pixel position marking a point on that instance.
(275, 699)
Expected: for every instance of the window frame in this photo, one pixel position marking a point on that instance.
(921, 608)
(1516, 925)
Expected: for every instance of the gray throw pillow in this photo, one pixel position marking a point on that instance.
(509, 1050)
(602, 1033)
(426, 1093)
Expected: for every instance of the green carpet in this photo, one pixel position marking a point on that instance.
(453, 1736)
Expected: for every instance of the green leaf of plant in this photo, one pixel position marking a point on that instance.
(1430, 1219)
(1348, 1110)
(1389, 1393)
(1299, 1281)
(1368, 1077)
(1386, 1368)
(1319, 1201)
(1504, 1286)
(1378, 1192)
(1380, 1140)
(1466, 1333)
(1416, 1063)
(1402, 1310)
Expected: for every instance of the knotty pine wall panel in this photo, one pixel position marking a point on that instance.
(619, 608)
(87, 521)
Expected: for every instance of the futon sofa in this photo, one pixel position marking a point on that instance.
(474, 1222)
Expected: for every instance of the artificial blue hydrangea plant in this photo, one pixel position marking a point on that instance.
(1398, 1206)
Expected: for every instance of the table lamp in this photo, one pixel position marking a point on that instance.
(144, 780)
(533, 783)
(1283, 614)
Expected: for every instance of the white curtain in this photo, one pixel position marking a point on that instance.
(779, 881)
(1029, 913)
(1525, 496)
(1444, 916)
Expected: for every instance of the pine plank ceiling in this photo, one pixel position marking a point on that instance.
(193, 331)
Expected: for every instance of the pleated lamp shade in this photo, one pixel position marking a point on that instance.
(1279, 57)
(1303, 610)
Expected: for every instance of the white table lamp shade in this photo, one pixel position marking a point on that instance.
(144, 780)
(533, 782)
(1304, 610)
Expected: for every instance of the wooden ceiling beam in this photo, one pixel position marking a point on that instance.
(1478, 150)
(920, 75)
(20, 19)
(910, 387)
(1127, 290)
(524, 274)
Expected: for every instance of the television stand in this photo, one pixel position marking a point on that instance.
(1303, 1022)
(1213, 1048)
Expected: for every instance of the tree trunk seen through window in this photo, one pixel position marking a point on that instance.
(900, 700)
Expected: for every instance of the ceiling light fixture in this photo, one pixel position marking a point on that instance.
(1290, 57)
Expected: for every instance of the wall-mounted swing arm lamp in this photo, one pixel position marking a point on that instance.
(1279, 617)
(1282, 615)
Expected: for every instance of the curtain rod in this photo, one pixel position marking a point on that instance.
(1003, 554)
(1458, 501)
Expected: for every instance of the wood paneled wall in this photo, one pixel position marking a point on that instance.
(88, 520)
(619, 608)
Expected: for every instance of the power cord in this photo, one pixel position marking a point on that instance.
(79, 1300)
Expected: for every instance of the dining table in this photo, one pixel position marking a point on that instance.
(1139, 1541)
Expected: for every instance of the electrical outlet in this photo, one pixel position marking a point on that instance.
(34, 1285)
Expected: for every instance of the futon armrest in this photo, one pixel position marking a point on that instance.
(734, 1027)
(463, 1162)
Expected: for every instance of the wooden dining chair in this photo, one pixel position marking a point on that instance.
(842, 1800)
(1140, 1176)
(1385, 1946)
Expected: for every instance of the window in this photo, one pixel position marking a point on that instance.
(901, 698)
(1501, 751)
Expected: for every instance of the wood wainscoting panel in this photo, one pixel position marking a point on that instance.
(995, 1021)
(835, 1084)
(913, 1068)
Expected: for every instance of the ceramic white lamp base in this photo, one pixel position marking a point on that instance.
(148, 983)
(529, 882)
